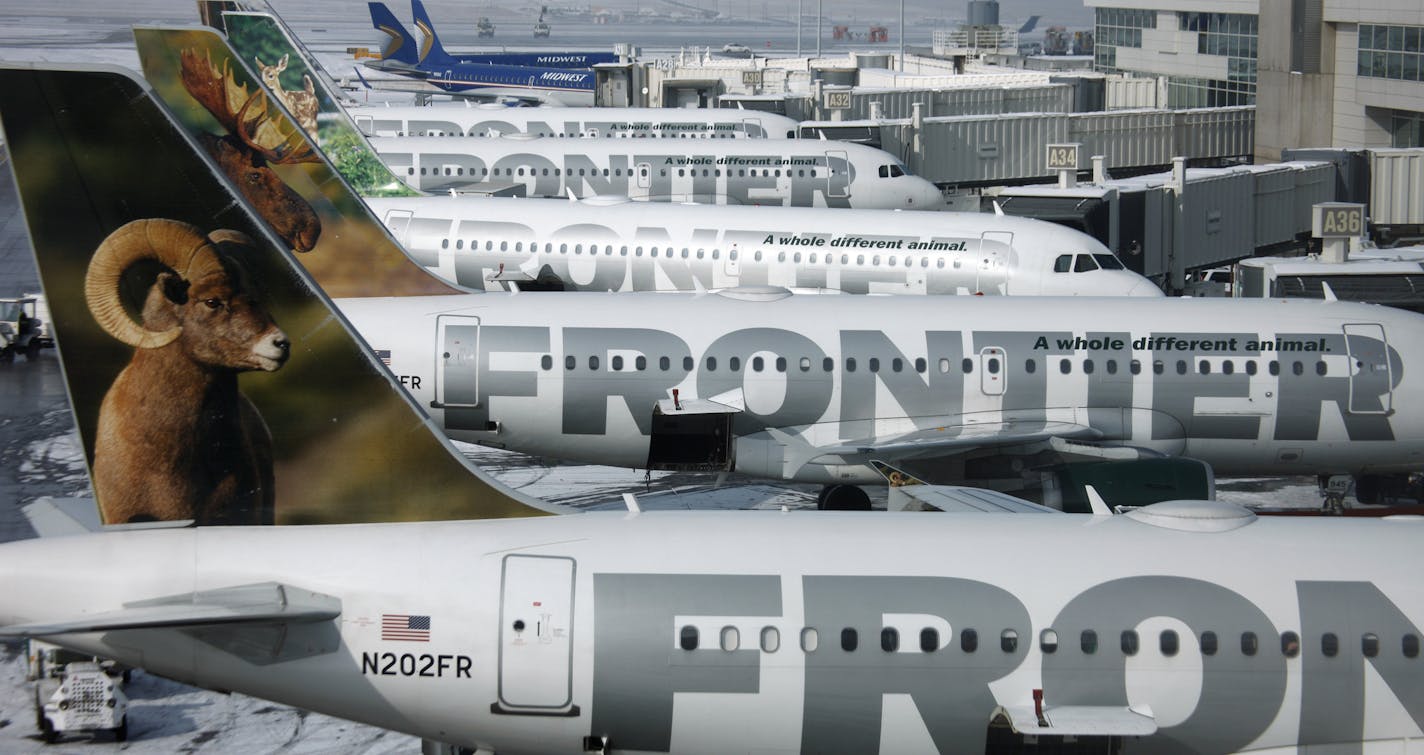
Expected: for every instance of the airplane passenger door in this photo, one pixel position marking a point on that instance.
(457, 362)
(993, 372)
(838, 173)
(366, 125)
(536, 622)
(398, 223)
(645, 175)
(1370, 378)
(993, 261)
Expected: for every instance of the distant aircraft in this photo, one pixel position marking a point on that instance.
(612, 123)
(555, 84)
(402, 49)
(788, 172)
(1204, 629)
(1029, 25)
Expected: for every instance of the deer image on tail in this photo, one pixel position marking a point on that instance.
(302, 105)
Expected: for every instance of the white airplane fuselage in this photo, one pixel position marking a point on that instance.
(817, 386)
(596, 245)
(614, 123)
(787, 172)
(716, 632)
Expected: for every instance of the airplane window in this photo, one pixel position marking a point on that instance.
(1048, 641)
(1204, 367)
(569, 363)
(929, 640)
(679, 173)
(731, 638)
(813, 257)
(796, 258)
(969, 640)
(687, 638)
(939, 263)
(617, 363)
(653, 252)
(757, 257)
(1168, 643)
(1251, 367)
(1228, 368)
(778, 173)
(889, 639)
(1297, 368)
(411, 171)
(484, 171)
(925, 262)
(1329, 644)
(1249, 644)
(489, 245)
(1065, 366)
(897, 364)
(1008, 640)
(860, 259)
(1084, 263)
(521, 171)
(896, 171)
(994, 366)
(637, 251)
(850, 364)
(684, 252)
(805, 364)
(1030, 366)
(711, 364)
(1410, 645)
(966, 365)
(770, 640)
(459, 243)
(641, 363)
(1208, 643)
(874, 364)
(781, 256)
(593, 363)
(1111, 366)
(519, 246)
(563, 248)
(781, 364)
(1088, 641)
(1181, 366)
(1369, 645)
(1290, 644)
(546, 362)
(885, 171)
(447, 171)
(850, 640)
(664, 363)
(1157, 367)
(687, 364)
(943, 366)
(757, 363)
(800, 173)
(578, 248)
(734, 364)
(605, 173)
(810, 639)
(623, 251)
(715, 254)
(444, 243)
(1087, 366)
(706, 172)
(1273, 367)
(1129, 642)
(1320, 368)
(875, 260)
(828, 364)
(920, 365)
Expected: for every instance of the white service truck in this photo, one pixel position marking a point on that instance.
(76, 693)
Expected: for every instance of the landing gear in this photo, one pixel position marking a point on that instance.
(842, 498)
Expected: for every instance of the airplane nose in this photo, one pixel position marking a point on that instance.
(1145, 288)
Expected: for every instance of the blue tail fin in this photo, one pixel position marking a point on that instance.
(401, 45)
(431, 51)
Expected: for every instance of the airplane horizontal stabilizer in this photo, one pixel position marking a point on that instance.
(267, 602)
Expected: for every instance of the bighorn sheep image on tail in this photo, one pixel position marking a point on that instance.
(301, 104)
(176, 439)
(254, 142)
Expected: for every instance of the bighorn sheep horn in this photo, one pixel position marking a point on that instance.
(172, 243)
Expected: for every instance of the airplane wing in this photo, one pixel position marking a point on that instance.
(953, 437)
(267, 602)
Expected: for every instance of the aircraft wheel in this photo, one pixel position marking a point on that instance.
(32, 351)
(121, 734)
(7, 355)
(843, 498)
(47, 731)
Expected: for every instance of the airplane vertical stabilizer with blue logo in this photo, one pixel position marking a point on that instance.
(401, 47)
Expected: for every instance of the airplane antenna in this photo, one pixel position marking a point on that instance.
(632, 503)
(997, 209)
(1327, 291)
(1096, 502)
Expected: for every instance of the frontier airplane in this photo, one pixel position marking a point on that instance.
(1194, 628)
(607, 122)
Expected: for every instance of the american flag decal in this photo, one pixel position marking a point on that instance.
(405, 628)
(384, 355)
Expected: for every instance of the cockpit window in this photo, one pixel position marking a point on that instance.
(1084, 264)
(1063, 264)
(891, 171)
(1108, 261)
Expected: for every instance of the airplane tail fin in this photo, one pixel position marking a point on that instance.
(401, 46)
(431, 51)
(209, 376)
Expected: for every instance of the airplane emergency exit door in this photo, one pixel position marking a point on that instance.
(536, 620)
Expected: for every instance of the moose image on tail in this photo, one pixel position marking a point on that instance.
(176, 439)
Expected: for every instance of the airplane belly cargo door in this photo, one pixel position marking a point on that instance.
(536, 623)
(457, 362)
(1370, 379)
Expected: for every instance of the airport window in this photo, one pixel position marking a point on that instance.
(1329, 644)
(828, 364)
(1273, 367)
(1290, 644)
(617, 363)
(1391, 52)
(546, 362)
(929, 640)
(874, 364)
(805, 364)
(1168, 643)
(897, 364)
(770, 640)
(731, 638)
(850, 364)
(1129, 642)
(1369, 645)
(593, 363)
(1181, 366)
(687, 364)
(781, 364)
(1320, 368)
(968, 640)
(1249, 643)
(890, 639)
(570, 362)
(664, 363)
(1065, 366)
(734, 364)
(920, 365)
(1087, 366)
(1048, 641)
(1208, 643)
(757, 363)
(1030, 366)
(966, 365)
(810, 639)
(850, 640)
(1204, 367)
(711, 364)
(1009, 640)
(1409, 644)
(687, 638)
(1088, 642)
